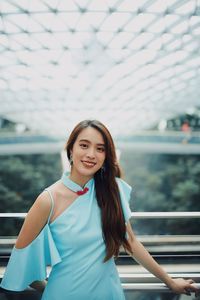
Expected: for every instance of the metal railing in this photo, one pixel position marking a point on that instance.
(151, 240)
(134, 281)
(136, 215)
(145, 287)
(166, 215)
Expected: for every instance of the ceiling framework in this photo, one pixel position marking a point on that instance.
(127, 63)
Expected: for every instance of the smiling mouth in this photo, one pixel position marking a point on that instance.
(88, 163)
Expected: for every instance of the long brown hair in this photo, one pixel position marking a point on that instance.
(107, 192)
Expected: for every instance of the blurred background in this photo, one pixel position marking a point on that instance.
(133, 65)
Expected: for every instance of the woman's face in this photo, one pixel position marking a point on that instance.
(88, 153)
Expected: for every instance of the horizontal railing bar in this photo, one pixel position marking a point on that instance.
(135, 215)
(157, 287)
(146, 276)
(166, 215)
(153, 287)
(151, 276)
(13, 215)
(148, 239)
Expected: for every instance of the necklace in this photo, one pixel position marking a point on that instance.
(73, 185)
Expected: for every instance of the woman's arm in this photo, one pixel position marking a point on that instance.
(141, 255)
(34, 222)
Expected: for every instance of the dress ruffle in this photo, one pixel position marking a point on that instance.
(30, 263)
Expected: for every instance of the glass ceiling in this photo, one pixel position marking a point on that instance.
(127, 63)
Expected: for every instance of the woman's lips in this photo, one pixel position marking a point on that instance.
(88, 164)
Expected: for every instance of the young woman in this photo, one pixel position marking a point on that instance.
(78, 224)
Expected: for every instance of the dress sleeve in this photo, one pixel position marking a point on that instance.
(29, 264)
(125, 194)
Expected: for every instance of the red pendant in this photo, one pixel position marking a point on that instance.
(79, 193)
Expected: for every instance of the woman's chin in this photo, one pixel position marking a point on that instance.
(87, 172)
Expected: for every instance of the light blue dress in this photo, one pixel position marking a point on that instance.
(73, 245)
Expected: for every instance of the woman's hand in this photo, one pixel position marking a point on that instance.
(141, 255)
(184, 286)
(39, 285)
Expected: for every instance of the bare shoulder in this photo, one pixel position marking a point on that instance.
(62, 198)
(35, 220)
(42, 203)
(59, 190)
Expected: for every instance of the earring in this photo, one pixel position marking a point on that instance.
(70, 159)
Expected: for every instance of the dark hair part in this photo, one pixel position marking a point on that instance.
(107, 191)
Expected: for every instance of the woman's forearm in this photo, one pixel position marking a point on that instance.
(142, 256)
(39, 285)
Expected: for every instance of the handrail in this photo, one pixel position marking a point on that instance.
(146, 277)
(135, 286)
(13, 215)
(143, 287)
(158, 287)
(166, 215)
(135, 215)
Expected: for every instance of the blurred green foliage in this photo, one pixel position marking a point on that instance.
(22, 179)
(163, 183)
(160, 183)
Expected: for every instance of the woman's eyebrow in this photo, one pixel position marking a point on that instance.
(84, 140)
(87, 141)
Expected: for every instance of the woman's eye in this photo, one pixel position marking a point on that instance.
(83, 146)
(101, 149)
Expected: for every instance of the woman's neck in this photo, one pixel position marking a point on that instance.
(79, 179)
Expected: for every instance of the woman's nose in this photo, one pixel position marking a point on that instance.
(91, 153)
